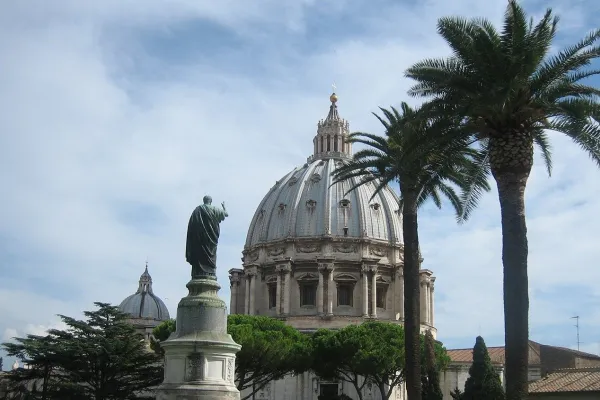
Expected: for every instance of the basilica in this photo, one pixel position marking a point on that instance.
(318, 255)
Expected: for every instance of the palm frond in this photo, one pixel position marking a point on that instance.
(541, 140)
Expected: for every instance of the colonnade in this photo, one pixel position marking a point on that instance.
(326, 288)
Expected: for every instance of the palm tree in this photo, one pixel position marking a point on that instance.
(426, 173)
(508, 90)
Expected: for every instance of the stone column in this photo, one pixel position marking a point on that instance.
(399, 293)
(374, 292)
(423, 297)
(287, 272)
(431, 302)
(365, 291)
(278, 294)
(235, 282)
(330, 289)
(320, 289)
(247, 294)
(252, 285)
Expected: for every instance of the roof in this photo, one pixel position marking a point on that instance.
(144, 304)
(304, 204)
(466, 355)
(568, 380)
(496, 354)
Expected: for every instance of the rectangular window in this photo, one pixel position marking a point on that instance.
(308, 294)
(381, 296)
(272, 295)
(344, 294)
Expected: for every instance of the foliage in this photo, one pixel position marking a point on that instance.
(100, 358)
(270, 349)
(1, 364)
(423, 172)
(430, 376)
(456, 394)
(372, 352)
(507, 89)
(483, 382)
(161, 333)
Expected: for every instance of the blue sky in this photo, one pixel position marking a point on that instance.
(116, 118)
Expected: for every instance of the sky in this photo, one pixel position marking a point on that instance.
(117, 117)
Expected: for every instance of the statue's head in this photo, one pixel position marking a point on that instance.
(207, 200)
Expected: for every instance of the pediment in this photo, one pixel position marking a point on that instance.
(308, 276)
(344, 277)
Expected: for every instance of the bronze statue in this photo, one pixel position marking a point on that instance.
(202, 239)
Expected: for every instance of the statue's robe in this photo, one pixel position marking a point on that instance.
(202, 239)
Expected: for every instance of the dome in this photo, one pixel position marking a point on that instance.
(320, 255)
(304, 204)
(144, 304)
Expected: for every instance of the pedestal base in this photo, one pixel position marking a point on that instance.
(189, 392)
(200, 354)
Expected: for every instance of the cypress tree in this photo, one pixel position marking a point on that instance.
(483, 382)
(430, 378)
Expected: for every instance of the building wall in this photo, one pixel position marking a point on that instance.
(456, 376)
(307, 386)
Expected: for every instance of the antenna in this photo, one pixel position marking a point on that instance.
(576, 318)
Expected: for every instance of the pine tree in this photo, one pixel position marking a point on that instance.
(483, 382)
(456, 394)
(100, 358)
(1, 364)
(430, 377)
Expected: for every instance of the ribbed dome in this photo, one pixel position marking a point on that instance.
(144, 304)
(303, 204)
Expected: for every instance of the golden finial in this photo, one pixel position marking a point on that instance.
(333, 98)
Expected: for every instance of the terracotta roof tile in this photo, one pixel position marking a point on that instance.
(568, 380)
(466, 355)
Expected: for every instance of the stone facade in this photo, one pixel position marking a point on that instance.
(319, 255)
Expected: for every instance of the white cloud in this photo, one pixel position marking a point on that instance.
(83, 141)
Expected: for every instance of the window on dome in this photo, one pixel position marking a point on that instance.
(308, 294)
(272, 288)
(345, 293)
(381, 295)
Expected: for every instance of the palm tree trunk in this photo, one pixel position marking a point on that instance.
(412, 291)
(511, 159)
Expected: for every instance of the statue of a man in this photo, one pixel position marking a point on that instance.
(203, 237)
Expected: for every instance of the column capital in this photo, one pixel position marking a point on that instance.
(325, 267)
(398, 273)
(251, 271)
(233, 279)
(283, 268)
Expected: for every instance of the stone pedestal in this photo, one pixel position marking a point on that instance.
(200, 354)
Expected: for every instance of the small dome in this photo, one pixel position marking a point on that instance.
(144, 304)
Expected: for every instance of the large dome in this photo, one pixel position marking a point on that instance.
(320, 255)
(304, 204)
(144, 304)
